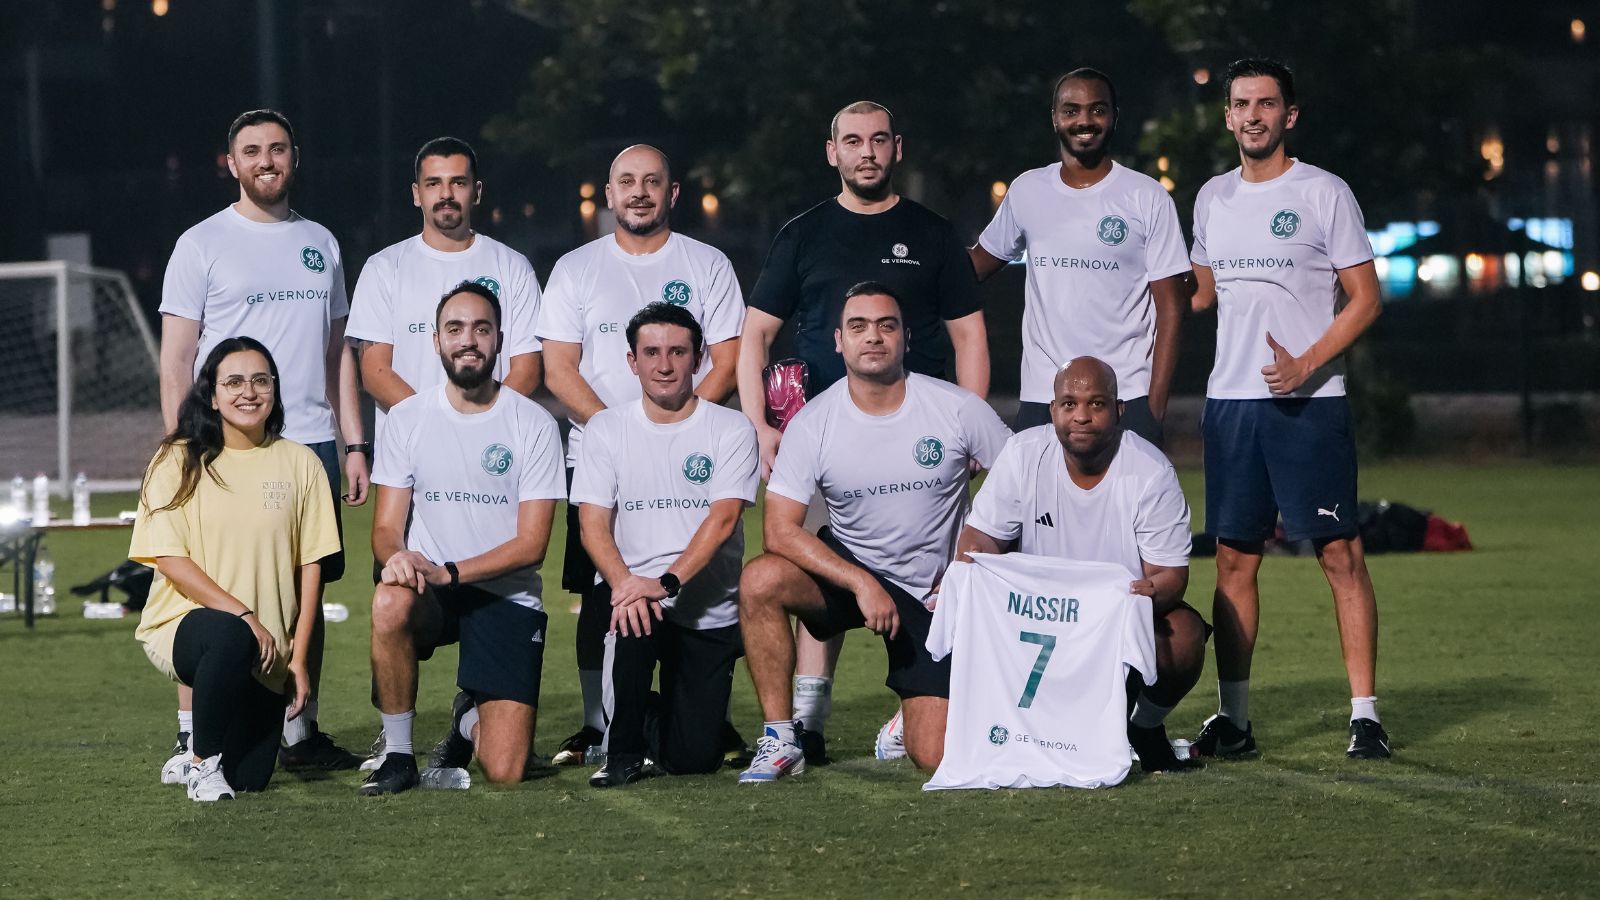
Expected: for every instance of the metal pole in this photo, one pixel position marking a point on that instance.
(267, 52)
(63, 383)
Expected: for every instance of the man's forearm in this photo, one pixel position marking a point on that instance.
(378, 375)
(970, 338)
(715, 529)
(524, 373)
(973, 541)
(723, 374)
(594, 524)
(1168, 297)
(806, 550)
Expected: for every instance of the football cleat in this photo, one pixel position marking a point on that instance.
(1368, 740)
(398, 773)
(1220, 737)
(317, 753)
(176, 769)
(375, 757)
(574, 749)
(736, 754)
(814, 745)
(891, 742)
(1155, 751)
(774, 759)
(453, 751)
(621, 769)
(206, 782)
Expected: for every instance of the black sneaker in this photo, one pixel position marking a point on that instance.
(398, 773)
(182, 745)
(1368, 740)
(573, 750)
(317, 753)
(736, 754)
(453, 751)
(1220, 737)
(814, 746)
(620, 769)
(1155, 751)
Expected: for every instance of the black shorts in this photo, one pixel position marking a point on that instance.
(328, 454)
(912, 672)
(1136, 417)
(577, 569)
(502, 643)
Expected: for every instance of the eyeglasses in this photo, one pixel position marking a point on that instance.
(264, 384)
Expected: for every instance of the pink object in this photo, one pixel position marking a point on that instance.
(785, 381)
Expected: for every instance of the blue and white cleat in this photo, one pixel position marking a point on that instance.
(774, 759)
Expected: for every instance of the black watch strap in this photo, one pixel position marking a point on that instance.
(671, 584)
(364, 448)
(455, 574)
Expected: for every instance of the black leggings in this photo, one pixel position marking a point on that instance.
(681, 727)
(234, 714)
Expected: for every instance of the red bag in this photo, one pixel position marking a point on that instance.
(785, 382)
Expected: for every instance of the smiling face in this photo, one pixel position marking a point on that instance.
(865, 149)
(446, 190)
(468, 340)
(1085, 411)
(665, 360)
(263, 160)
(1083, 118)
(872, 338)
(640, 191)
(244, 393)
(1258, 116)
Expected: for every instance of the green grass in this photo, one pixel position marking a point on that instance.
(1487, 683)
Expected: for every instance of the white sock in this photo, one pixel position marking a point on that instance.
(1364, 708)
(299, 728)
(186, 721)
(813, 701)
(592, 681)
(469, 721)
(1233, 701)
(783, 731)
(397, 732)
(1147, 714)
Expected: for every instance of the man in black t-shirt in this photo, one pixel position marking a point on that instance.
(866, 233)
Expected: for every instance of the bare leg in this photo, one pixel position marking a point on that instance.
(1180, 656)
(769, 590)
(400, 617)
(1235, 608)
(925, 719)
(503, 739)
(1355, 604)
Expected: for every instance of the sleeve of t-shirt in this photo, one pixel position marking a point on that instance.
(986, 433)
(942, 631)
(560, 315)
(795, 472)
(393, 466)
(997, 509)
(183, 289)
(1002, 239)
(543, 478)
(319, 535)
(338, 296)
(777, 290)
(1161, 524)
(1346, 230)
(163, 533)
(1164, 251)
(522, 302)
(735, 474)
(725, 305)
(594, 480)
(958, 284)
(1202, 203)
(372, 309)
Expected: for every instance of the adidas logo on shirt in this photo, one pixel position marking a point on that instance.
(538, 636)
(1045, 520)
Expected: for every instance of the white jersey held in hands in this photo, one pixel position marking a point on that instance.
(1041, 649)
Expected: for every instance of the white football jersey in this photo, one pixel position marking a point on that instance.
(1041, 649)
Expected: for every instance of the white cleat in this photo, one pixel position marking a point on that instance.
(891, 742)
(207, 783)
(372, 762)
(774, 759)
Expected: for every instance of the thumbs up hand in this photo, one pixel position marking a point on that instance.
(1286, 372)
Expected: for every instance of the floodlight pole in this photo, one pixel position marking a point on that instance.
(63, 382)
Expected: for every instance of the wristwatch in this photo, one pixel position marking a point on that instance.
(364, 448)
(671, 584)
(455, 574)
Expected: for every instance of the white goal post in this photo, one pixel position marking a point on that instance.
(79, 367)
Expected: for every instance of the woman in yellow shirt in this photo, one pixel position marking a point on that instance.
(234, 518)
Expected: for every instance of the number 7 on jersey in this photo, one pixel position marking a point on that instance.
(1047, 646)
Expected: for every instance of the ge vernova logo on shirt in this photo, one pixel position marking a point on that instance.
(490, 283)
(697, 468)
(311, 258)
(1285, 224)
(900, 254)
(677, 292)
(1112, 230)
(496, 459)
(928, 452)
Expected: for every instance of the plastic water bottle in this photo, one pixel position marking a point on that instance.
(8, 603)
(19, 496)
(80, 500)
(1182, 749)
(446, 779)
(41, 500)
(93, 609)
(335, 612)
(44, 584)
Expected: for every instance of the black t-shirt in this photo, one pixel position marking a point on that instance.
(828, 249)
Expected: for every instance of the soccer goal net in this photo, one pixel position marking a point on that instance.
(78, 363)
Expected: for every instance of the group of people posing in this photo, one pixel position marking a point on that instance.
(640, 336)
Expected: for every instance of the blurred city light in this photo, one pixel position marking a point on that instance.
(997, 190)
(586, 190)
(159, 7)
(1202, 75)
(1590, 281)
(1579, 31)
(709, 204)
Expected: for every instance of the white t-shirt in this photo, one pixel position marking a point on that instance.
(1275, 248)
(594, 290)
(397, 299)
(1040, 649)
(1137, 511)
(661, 480)
(467, 475)
(895, 485)
(280, 283)
(1091, 255)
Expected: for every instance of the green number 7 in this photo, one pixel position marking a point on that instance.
(1047, 646)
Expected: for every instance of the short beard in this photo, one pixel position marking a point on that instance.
(871, 193)
(643, 229)
(1090, 158)
(438, 218)
(1265, 152)
(285, 181)
(471, 379)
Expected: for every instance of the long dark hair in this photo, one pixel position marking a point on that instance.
(199, 433)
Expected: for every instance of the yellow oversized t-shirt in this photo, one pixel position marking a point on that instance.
(272, 513)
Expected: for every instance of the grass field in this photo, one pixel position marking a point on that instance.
(1487, 684)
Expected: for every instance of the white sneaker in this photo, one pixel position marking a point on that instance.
(774, 759)
(206, 781)
(372, 762)
(892, 738)
(176, 769)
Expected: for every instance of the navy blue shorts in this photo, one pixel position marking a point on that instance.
(328, 454)
(502, 643)
(1295, 457)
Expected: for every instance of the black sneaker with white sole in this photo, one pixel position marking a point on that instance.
(1220, 737)
(1368, 740)
(620, 769)
(398, 773)
(1155, 751)
(454, 751)
(814, 746)
(574, 749)
(317, 753)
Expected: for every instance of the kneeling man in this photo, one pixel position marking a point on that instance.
(1084, 488)
(479, 470)
(890, 453)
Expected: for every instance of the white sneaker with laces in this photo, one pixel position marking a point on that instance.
(176, 769)
(891, 742)
(372, 762)
(774, 759)
(206, 781)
